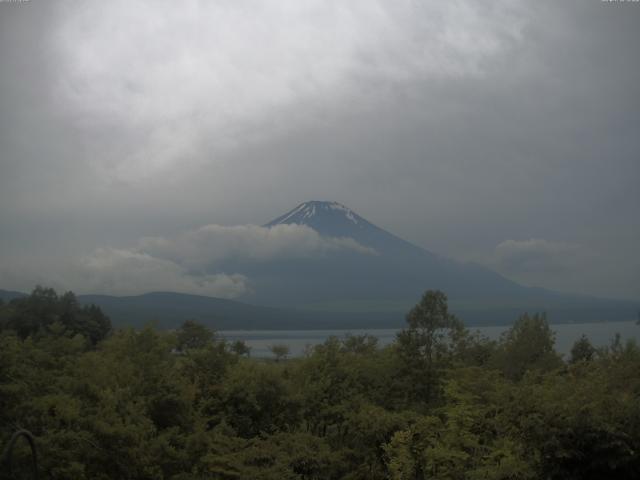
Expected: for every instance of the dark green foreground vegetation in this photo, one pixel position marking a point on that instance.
(439, 403)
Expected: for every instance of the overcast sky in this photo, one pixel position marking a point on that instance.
(505, 133)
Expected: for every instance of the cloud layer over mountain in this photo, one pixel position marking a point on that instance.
(212, 244)
(454, 125)
(189, 262)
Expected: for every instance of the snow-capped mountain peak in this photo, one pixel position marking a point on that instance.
(334, 219)
(307, 210)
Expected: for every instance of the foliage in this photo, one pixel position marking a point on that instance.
(44, 312)
(528, 345)
(439, 403)
(239, 347)
(279, 351)
(582, 350)
(427, 345)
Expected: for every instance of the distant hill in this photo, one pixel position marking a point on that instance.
(169, 310)
(7, 295)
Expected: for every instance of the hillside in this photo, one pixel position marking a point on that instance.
(169, 310)
(7, 295)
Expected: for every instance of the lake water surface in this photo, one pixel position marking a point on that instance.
(600, 334)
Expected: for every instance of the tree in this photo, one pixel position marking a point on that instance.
(257, 398)
(428, 342)
(582, 350)
(280, 351)
(360, 344)
(528, 345)
(43, 310)
(193, 335)
(461, 439)
(240, 347)
(30, 314)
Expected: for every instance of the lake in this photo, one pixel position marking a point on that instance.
(600, 334)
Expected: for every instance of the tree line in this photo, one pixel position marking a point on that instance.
(440, 402)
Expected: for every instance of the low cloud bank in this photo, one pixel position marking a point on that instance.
(537, 255)
(545, 263)
(212, 244)
(187, 263)
(126, 272)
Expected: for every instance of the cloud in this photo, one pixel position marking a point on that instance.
(455, 125)
(174, 79)
(113, 271)
(211, 244)
(556, 265)
(539, 256)
(190, 262)
(124, 272)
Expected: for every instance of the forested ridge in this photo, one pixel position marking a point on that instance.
(441, 402)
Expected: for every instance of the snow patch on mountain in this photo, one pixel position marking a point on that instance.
(333, 219)
(313, 208)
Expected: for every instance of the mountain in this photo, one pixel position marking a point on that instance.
(397, 259)
(331, 219)
(351, 289)
(397, 274)
(392, 280)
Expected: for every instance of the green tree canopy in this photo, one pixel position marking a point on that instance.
(37, 314)
(280, 351)
(582, 350)
(528, 345)
(193, 335)
(428, 343)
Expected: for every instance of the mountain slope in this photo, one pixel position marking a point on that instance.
(395, 278)
(333, 219)
(400, 271)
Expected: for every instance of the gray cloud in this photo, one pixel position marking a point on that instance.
(117, 271)
(210, 245)
(540, 262)
(539, 256)
(190, 75)
(189, 262)
(453, 125)
(124, 272)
